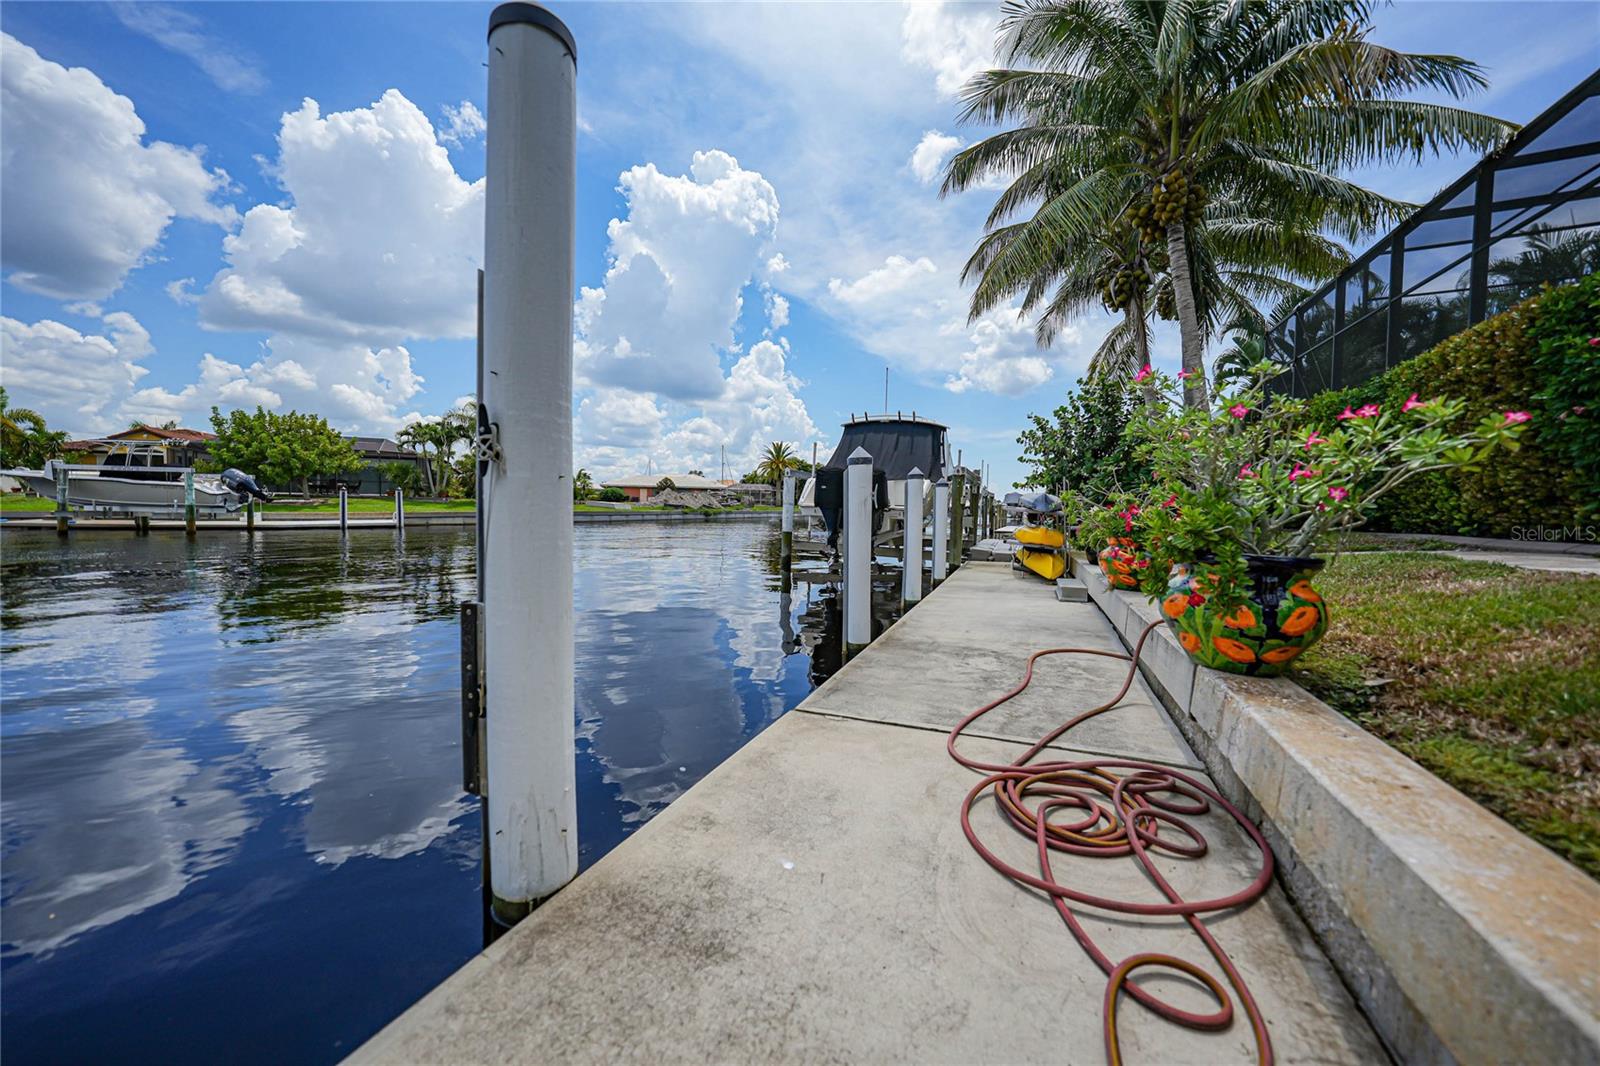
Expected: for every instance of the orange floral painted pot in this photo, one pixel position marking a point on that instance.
(1283, 617)
(1118, 563)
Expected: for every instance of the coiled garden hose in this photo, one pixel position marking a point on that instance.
(1124, 813)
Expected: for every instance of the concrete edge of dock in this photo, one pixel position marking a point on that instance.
(1461, 938)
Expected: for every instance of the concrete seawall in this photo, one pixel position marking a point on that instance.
(814, 898)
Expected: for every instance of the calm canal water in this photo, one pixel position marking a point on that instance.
(230, 768)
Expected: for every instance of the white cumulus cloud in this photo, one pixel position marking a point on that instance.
(73, 379)
(953, 42)
(85, 199)
(653, 339)
(379, 238)
(930, 153)
(462, 124)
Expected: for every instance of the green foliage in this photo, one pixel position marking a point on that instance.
(1216, 133)
(611, 495)
(281, 448)
(582, 486)
(1533, 357)
(401, 474)
(776, 461)
(1565, 337)
(1082, 446)
(25, 439)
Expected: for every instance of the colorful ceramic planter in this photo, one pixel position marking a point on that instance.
(1283, 617)
(1116, 561)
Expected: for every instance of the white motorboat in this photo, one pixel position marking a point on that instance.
(126, 485)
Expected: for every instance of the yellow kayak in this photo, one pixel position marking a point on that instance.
(1047, 564)
(1040, 537)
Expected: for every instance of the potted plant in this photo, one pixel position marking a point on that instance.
(1248, 496)
(1106, 530)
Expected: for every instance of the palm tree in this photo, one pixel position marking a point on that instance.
(776, 461)
(582, 486)
(25, 439)
(1142, 111)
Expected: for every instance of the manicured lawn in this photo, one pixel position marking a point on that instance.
(1487, 675)
(368, 506)
(16, 503)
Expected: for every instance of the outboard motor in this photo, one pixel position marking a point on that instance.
(243, 483)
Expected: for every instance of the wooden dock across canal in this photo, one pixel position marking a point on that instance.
(814, 899)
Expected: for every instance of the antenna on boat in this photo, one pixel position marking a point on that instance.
(886, 388)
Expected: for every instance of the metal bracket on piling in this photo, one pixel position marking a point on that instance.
(472, 701)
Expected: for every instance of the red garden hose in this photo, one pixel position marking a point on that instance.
(1123, 814)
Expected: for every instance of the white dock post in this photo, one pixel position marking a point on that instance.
(61, 474)
(531, 177)
(188, 503)
(786, 541)
(399, 511)
(857, 551)
(911, 567)
(344, 510)
(941, 529)
(250, 515)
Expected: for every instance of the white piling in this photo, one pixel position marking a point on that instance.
(857, 551)
(526, 493)
(399, 511)
(188, 503)
(941, 529)
(344, 510)
(62, 521)
(786, 545)
(911, 568)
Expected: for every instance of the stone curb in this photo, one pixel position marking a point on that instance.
(1462, 939)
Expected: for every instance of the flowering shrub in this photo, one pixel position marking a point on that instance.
(1249, 477)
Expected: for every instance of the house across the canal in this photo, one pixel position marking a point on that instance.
(163, 447)
(641, 487)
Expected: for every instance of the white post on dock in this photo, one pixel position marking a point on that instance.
(857, 551)
(786, 542)
(399, 511)
(250, 515)
(62, 521)
(911, 568)
(344, 510)
(526, 495)
(188, 502)
(941, 529)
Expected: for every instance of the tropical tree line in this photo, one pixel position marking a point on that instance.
(1182, 160)
(26, 441)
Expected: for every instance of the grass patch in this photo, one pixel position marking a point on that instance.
(16, 503)
(367, 505)
(1487, 675)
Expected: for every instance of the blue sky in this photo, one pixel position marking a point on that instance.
(233, 203)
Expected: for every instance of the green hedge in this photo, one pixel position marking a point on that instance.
(1533, 357)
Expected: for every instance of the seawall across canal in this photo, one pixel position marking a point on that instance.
(815, 898)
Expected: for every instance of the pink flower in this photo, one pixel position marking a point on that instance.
(1172, 501)
(1347, 413)
(1314, 439)
(1184, 374)
(1594, 342)
(1302, 471)
(1238, 410)
(1338, 493)
(1412, 404)
(1513, 417)
(1195, 599)
(1143, 374)
(1246, 472)
(1141, 564)
(1367, 411)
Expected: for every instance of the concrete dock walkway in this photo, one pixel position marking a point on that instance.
(814, 899)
